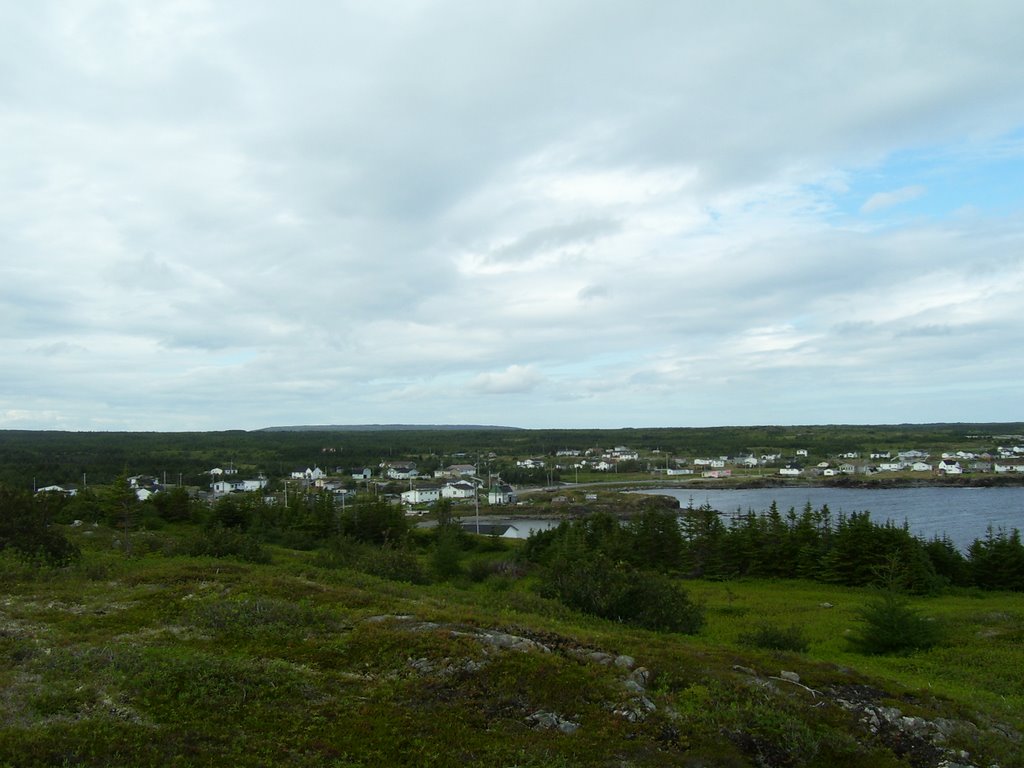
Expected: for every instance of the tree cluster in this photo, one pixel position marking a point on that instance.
(813, 544)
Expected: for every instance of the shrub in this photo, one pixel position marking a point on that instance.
(891, 625)
(446, 559)
(393, 563)
(223, 542)
(770, 637)
(646, 599)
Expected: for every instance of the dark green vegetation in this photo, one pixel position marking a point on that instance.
(812, 544)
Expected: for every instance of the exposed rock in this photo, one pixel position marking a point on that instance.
(791, 677)
(641, 676)
(551, 721)
(626, 662)
(633, 686)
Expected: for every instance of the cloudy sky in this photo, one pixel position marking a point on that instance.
(222, 214)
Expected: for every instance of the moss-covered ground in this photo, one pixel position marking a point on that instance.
(157, 660)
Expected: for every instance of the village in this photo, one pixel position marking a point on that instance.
(501, 480)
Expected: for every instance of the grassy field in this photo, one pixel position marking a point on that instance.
(181, 661)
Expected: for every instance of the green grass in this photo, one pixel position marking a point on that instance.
(184, 661)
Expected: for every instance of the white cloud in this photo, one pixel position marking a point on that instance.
(881, 200)
(514, 379)
(221, 219)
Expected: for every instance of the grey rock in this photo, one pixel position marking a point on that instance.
(626, 662)
(641, 675)
(791, 677)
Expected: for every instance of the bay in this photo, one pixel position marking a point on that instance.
(962, 514)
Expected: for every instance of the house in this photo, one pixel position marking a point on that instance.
(461, 470)
(460, 490)
(679, 472)
(67, 490)
(790, 471)
(621, 453)
(421, 495)
(365, 473)
(501, 494)
(402, 470)
(801, 451)
(912, 455)
(220, 487)
(948, 467)
(1007, 466)
(847, 469)
(530, 463)
(308, 474)
(716, 473)
(604, 466)
(890, 466)
(747, 461)
(830, 472)
(921, 466)
(713, 463)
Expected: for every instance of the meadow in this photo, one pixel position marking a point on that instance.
(171, 659)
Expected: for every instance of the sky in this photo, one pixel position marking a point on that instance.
(234, 214)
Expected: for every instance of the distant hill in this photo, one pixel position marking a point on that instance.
(388, 428)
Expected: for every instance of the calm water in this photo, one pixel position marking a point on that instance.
(963, 514)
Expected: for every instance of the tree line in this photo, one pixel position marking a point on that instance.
(814, 544)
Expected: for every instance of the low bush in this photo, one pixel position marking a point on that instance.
(770, 637)
(222, 542)
(642, 598)
(394, 564)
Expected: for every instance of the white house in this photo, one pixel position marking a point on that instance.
(921, 466)
(402, 471)
(948, 467)
(790, 471)
(67, 490)
(501, 494)
(801, 451)
(421, 495)
(679, 471)
(530, 464)
(460, 490)
(308, 474)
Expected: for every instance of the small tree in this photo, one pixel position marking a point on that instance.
(889, 623)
